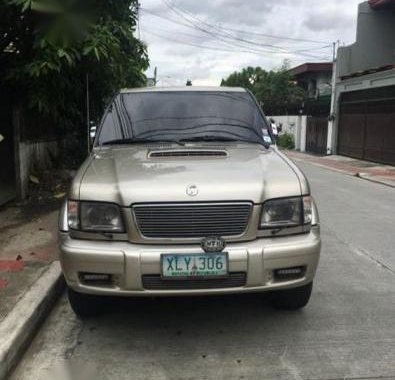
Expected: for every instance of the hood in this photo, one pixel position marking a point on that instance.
(133, 174)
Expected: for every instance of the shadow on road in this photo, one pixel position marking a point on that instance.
(203, 315)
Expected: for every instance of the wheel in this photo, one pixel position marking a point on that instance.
(292, 299)
(85, 305)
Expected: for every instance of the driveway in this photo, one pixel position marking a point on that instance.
(346, 332)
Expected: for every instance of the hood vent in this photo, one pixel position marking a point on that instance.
(188, 153)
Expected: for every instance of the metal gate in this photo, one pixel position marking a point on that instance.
(7, 158)
(367, 125)
(316, 134)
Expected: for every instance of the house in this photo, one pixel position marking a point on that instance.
(314, 78)
(308, 122)
(364, 107)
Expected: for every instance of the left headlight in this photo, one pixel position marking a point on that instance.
(286, 212)
(94, 216)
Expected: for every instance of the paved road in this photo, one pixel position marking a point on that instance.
(346, 332)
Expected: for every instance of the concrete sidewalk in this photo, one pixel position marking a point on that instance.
(27, 248)
(30, 278)
(383, 174)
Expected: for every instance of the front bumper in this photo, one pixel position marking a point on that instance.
(127, 263)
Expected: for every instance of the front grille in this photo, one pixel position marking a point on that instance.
(189, 153)
(155, 282)
(192, 220)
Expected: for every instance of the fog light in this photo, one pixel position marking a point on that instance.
(95, 278)
(289, 273)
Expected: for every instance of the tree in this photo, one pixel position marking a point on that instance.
(274, 89)
(246, 78)
(49, 47)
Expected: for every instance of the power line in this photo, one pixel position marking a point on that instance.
(219, 30)
(227, 44)
(276, 37)
(227, 39)
(197, 24)
(222, 49)
(138, 6)
(197, 45)
(244, 31)
(212, 35)
(237, 30)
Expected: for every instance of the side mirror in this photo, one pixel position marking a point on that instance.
(92, 133)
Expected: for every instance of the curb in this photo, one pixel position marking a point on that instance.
(375, 180)
(20, 325)
(327, 167)
(360, 175)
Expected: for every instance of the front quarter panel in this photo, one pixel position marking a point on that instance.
(304, 183)
(74, 192)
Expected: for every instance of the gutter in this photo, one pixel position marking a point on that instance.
(377, 4)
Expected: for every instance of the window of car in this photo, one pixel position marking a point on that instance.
(184, 116)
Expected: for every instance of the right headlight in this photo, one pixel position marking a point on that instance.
(94, 216)
(286, 212)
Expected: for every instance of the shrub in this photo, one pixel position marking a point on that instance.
(286, 141)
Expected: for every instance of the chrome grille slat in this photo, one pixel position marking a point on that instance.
(155, 282)
(192, 220)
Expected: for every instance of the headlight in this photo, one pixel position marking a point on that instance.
(94, 216)
(286, 212)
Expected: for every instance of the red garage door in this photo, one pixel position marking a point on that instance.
(367, 125)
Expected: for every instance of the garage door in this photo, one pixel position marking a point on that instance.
(367, 125)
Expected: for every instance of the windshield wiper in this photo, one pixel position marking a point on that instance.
(141, 141)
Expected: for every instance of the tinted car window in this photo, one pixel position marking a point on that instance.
(182, 116)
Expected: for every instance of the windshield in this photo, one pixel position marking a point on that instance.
(183, 116)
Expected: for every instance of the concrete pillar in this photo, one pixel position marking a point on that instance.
(303, 129)
(297, 132)
(16, 121)
(333, 112)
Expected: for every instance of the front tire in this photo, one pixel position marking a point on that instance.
(292, 299)
(85, 305)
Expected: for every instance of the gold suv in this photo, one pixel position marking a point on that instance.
(185, 193)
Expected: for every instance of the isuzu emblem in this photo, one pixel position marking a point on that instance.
(213, 244)
(192, 190)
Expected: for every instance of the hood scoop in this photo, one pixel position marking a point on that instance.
(187, 153)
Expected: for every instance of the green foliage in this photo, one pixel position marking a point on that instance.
(274, 89)
(50, 46)
(286, 141)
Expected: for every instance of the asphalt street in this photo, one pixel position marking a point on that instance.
(346, 332)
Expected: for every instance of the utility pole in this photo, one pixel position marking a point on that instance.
(138, 20)
(155, 75)
(332, 116)
(88, 114)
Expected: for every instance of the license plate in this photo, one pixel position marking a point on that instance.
(194, 265)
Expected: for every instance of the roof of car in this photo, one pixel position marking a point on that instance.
(184, 88)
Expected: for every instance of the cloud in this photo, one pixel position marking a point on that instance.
(325, 21)
(181, 50)
(251, 12)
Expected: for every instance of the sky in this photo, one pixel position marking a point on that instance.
(206, 40)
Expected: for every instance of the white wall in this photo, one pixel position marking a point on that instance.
(295, 125)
